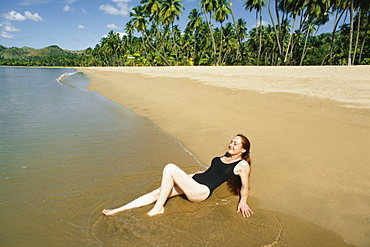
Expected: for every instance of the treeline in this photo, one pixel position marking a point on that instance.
(70, 60)
(290, 40)
(153, 39)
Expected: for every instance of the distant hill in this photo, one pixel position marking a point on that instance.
(52, 50)
(15, 52)
(24, 52)
(2, 48)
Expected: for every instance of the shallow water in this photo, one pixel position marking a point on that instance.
(67, 153)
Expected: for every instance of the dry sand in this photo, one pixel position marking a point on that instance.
(309, 128)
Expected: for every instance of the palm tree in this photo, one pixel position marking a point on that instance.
(171, 10)
(294, 8)
(340, 7)
(310, 29)
(239, 51)
(241, 32)
(230, 45)
(221, 14)
(208, 7)
(195, 23)
(139, 22)
(195, 18)
(153, 9)
(258, 5)
(277, 28)
(366, 7)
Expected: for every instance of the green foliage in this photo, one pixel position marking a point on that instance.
(2, 48)
(290, 40)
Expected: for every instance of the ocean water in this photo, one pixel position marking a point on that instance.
(66, 153)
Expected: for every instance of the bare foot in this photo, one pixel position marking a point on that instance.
(154, 212)
(109, 212)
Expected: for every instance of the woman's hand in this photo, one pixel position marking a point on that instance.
(244, 209)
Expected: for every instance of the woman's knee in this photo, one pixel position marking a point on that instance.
(170, 167)
(155, 193)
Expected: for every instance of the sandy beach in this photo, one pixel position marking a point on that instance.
(309, 128)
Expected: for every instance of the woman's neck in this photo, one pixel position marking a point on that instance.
(236, 157)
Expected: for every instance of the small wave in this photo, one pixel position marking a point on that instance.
(65, 75)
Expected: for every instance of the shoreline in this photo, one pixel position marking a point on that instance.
(309, 154)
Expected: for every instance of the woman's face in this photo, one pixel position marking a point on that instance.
(236, 146)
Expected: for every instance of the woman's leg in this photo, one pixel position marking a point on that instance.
(142, 201)
(174, 176)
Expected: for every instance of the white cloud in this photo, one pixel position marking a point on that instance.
(264, 23)
(120, 35)
(7, 26)
(80, 27)
(113, 26)
(122, 1)
(122, 9)
(85, 12)
(33, 17)
(11, 29)
(66, 8)
(7, 35)
(15, 16)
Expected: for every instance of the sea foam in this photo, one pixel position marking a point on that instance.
(65, 75)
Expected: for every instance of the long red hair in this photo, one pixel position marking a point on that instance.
(235, 183)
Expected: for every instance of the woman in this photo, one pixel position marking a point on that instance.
(233, 167)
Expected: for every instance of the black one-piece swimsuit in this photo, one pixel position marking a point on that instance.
(217, 174)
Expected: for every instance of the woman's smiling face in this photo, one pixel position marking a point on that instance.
(236, 146)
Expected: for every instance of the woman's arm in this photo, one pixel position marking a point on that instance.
(243, 171)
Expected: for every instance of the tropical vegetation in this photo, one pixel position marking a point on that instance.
(213, 36)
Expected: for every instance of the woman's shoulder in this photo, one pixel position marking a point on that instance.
(243, 164)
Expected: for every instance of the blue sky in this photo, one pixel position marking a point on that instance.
(78, 24)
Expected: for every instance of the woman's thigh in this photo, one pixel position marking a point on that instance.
(184, 184)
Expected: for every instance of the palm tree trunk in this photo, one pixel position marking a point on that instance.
(211, 32)
(357, 35)
(260, 41)
(276, 32)
(305, 45)
(160, 38)
(350, 34)
(239, 52)
(281, 38)
(290, 39)
(150, 44)
(220, 52)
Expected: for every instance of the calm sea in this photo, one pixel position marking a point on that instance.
(66, 153)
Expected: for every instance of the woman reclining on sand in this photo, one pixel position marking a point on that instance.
(233, 167)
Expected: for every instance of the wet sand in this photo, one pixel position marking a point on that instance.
(309, 128)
